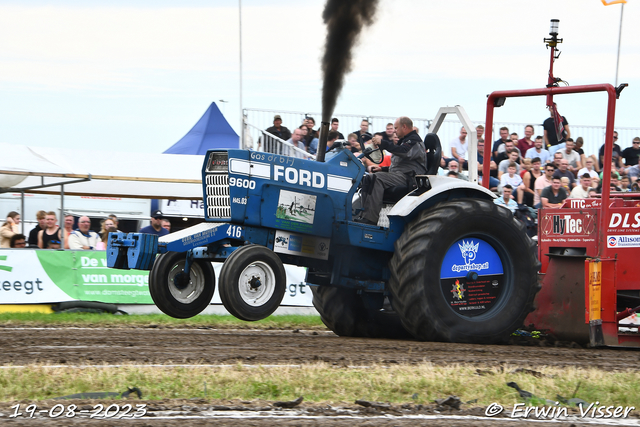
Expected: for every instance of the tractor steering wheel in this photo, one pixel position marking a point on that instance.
(366, 152)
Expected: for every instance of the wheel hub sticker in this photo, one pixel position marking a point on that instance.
(471, 276)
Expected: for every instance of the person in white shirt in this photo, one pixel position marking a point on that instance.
(459, 147)
(83, 237)
(581, 191)
(589, 162)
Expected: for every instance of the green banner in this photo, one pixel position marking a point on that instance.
(84, 276)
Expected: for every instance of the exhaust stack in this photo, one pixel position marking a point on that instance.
(322, 143)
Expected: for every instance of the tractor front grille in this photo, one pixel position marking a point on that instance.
(218, 200)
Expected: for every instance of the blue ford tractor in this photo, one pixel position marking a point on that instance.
(444, 262)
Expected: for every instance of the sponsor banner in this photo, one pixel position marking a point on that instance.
(301, 245)
(570, 224)
(43, 276)
(624, 221)
(628, 241)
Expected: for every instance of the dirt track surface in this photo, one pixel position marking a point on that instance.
(59, 346)
(154, 345)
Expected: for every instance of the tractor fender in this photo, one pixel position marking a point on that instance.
(442, 189)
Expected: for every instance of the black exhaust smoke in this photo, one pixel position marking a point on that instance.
(345, 20)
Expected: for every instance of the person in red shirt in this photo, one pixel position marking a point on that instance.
(525, 143)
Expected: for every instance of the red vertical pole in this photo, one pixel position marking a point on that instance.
(551, 81)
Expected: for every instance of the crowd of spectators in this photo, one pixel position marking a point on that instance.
(47, 234)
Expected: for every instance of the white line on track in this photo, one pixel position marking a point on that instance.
(170, 366)
(301, 416)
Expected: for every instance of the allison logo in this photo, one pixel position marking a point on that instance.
(469, 250)
(612, 241)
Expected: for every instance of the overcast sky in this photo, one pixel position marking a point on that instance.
(136, 75)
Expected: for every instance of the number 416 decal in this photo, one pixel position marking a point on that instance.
(234, 231)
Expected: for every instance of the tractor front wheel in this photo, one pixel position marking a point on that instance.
(464, 271)
(252, 282)
(177, 294)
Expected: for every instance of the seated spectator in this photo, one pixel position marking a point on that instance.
(553, 196)
(166, 224)
(582, 191)
(68, 229)
(363, 134)
(104, 240)
(593, 193)
(613, 171)
(51, 232)
(9, 229)
(538, 151)
(565, 184)
(453, 166)
(83, 237)
(578, 149)
(631, 154)
(310, 123)
(105, 226)
(557, 157)
(551, 140)
(624, 183)
(156, 223)
(617, 151)
(297, 141)
(503, 165)
(504, 137)
(459, 148)
(33, 235)
(480, 132)
(529, 179)
(335, 123)
(278, 130)
(493, 182)
(526, 143)
(563, 171)
(506, 200)
(376, 155)
(18, 241)
(354, 145)
(514, 180)
(633, 172)
(542, 182)
(503, 152)
(526, 167)
(514, 139)
(589, 164)
(571, 156)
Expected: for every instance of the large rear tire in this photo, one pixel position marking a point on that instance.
(252, 283)
(344, 312)
(464, 271)
(174, 293)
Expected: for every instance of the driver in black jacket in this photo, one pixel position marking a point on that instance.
(409, 160)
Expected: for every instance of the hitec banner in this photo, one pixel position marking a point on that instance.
(30, 276)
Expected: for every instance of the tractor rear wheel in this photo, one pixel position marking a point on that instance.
(252, 282)
(464, 271)
(177, 294)
(344, 312)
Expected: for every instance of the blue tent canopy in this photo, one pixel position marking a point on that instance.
(211, 131)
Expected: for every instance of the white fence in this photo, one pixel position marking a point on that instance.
(593, 135)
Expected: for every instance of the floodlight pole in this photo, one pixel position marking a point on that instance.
(619, 41)
(240, 44)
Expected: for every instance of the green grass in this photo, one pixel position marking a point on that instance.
(323, 383)
(141, 320)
